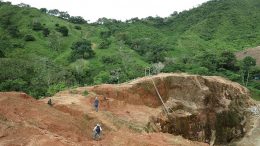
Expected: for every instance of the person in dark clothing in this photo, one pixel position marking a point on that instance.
(96, 104)
(50, 102)
(97, 132)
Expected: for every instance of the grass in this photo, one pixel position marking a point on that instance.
(179, 36)
(255, 94)
(85, 93)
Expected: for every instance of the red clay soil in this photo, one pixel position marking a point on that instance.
(28, 122)
(124, 115)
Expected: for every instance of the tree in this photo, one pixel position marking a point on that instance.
(102, 77)
(23, 5)
(157, 67)
(104, 44)
(29, 37)
(209, 60)
(105, 34)
(13, 31)
(43, 10)
(37, 26)
(54, 12)
(247, 63)
(45, 32)
(82, 50)
(227, 60)
(77, 19)
(64, 15)
(2, 55)
(63, 30)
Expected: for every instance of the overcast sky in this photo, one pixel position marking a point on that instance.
(116, 9)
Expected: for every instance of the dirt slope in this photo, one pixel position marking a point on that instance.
(27, 122)
(253, 52)
(127, 114)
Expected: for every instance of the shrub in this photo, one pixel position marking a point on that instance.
(102, 77)
(55, 88)
(104, 44)
(2, 54)
(77, 19)
(77, 27)
(82, 50)
(37, 26)
(85, 93)
(63, 30)
(13, 31)
(45, 32)
(29, 37)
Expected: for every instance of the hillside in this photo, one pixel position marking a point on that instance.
(132, 114)
(255, 52)
(42, 52)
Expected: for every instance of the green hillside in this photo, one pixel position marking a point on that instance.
(42, 54)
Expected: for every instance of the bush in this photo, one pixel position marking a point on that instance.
(13, 31)
(43, 10)
(77, 19)
(13, 85)
(63, 30)
(2, 54)
(77, 27)
(104, 44)
(55, 88)
(105, 34)
(102, 77)
(82, 50)
(37, 26)
(29, 37)
(45, 32)
(85, 93)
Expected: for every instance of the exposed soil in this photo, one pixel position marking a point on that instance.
(131, 114)
(253, 52)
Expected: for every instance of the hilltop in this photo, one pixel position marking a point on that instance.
(45, 51)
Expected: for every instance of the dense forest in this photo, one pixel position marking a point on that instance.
(44, 51)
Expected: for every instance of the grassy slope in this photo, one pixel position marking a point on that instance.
(216, 25)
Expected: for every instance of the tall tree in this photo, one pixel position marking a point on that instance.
(247, 63)
(82, 50)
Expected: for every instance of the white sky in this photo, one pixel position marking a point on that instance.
(116, 9)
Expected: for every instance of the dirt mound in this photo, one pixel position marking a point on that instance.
(205, 109)
(25, 121)
(253, 52)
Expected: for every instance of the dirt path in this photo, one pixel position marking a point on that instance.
(112, 113)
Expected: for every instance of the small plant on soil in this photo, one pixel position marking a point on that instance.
(85, 93)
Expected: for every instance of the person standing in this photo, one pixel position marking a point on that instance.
(96, 104)
(97, 132)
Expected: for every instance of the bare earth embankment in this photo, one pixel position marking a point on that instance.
(200, 112)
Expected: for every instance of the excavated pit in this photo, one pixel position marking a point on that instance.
(201, 108)
(205, 110)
